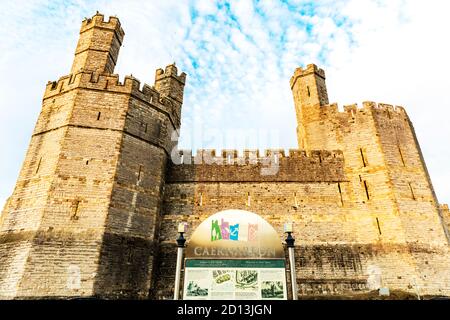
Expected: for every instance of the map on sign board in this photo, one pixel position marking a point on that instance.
(235, 255)
(235, 280)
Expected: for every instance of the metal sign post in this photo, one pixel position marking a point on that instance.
(180, 244)
(290, 244)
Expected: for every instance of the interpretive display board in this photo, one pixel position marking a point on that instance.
(235, 255)
(235, 280)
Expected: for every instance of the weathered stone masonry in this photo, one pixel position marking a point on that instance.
(98, 198)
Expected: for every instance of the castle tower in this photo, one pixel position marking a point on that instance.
(310, 92)
(83, 217)
(169, 84)
(98, 46)
(388, 188)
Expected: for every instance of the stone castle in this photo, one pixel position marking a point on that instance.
(102, 189)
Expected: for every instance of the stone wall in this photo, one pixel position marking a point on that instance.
(275, 165)
(338, 251)
(369, 219)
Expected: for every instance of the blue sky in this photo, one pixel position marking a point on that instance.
(239, 57)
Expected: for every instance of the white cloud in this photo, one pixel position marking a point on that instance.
(400, 57)
(206, 7)
(239, 67)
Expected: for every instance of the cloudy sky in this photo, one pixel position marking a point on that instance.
(239, 56)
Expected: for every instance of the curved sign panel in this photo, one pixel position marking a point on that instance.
(235, 234)
(235, 255)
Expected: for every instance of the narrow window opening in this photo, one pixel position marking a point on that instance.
(389, 114)
(249, 198)
(320, 158)
(309, 92)
(145, 127)
(39, 165)
(130, 255)
(139, 174)
(340, 194)
(362, 157)
(229, 158)
(76, 206)
(158, 130)
(295, 199)
(98, 116)
(367, 190)
(360, 179)
(201, 199)
(378, 224)
(87, 162)
(412, 191)
(401, 155)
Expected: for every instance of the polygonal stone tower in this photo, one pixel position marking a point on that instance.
(388, 193)
(83, 217)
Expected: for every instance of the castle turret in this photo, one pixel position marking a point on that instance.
(309, 87)
(98, 45)
(310, 92)
(169, 84)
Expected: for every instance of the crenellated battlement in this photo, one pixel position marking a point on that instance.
(367, 107)
(110, 83)
(253, 166)
(91, 80)
(170, 71)
(98, 20)
(252, 157)
(301, 72)
(107, 83)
